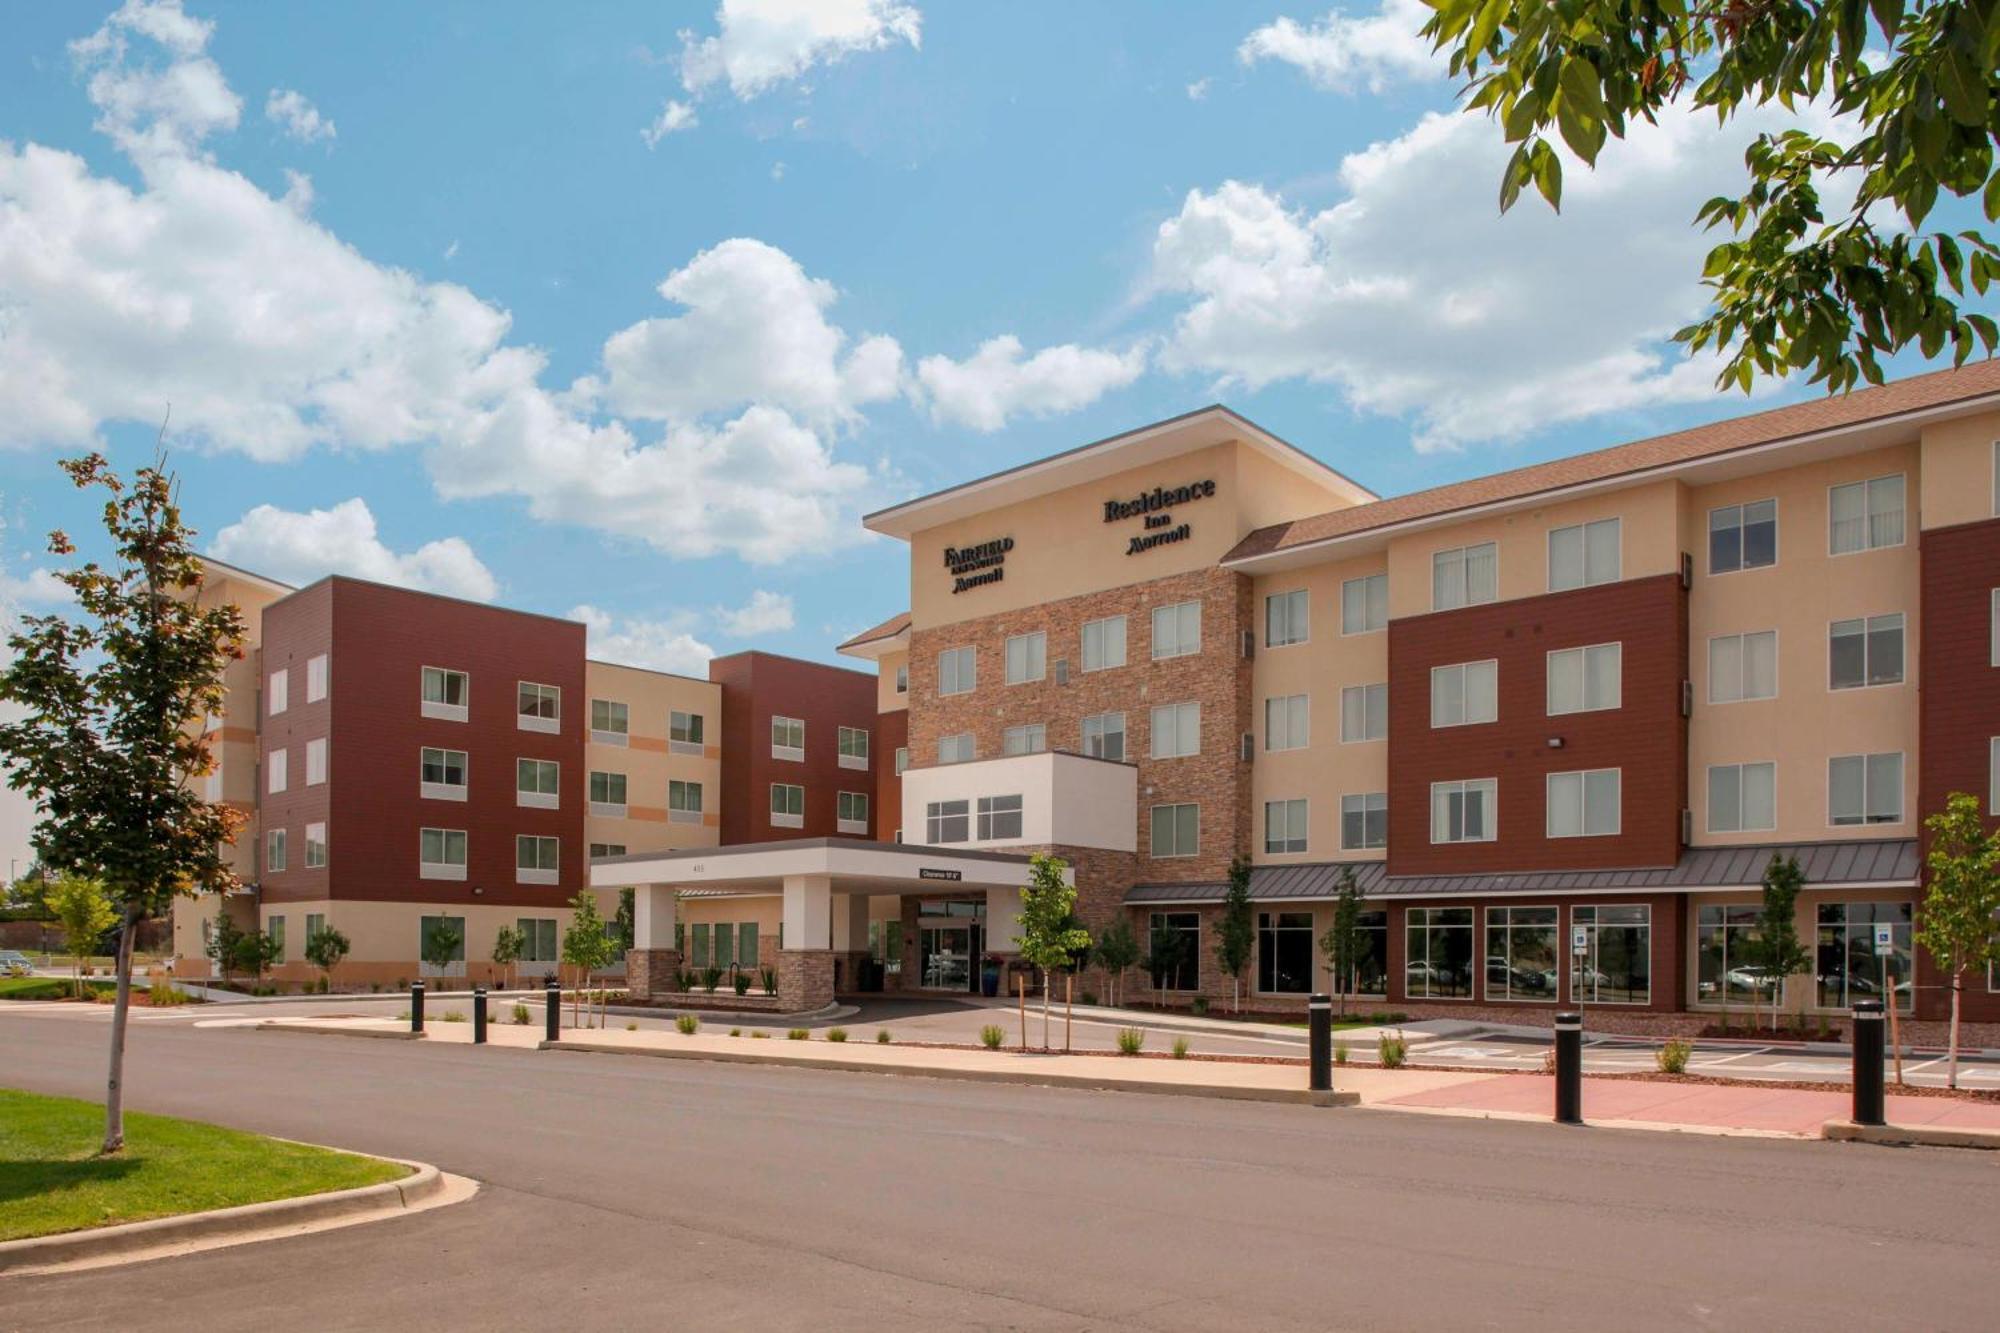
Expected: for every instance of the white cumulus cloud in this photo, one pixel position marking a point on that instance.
(298, 548)
(1198, 90)
(760, 44)
(998, 382)
(673, 117)
(657, 645)
(293, 113)
(765, 613)
(162, 103)
(1342, 53)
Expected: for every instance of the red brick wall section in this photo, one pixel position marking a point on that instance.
(1646, 738)
(757, 685)
(295, 630)
(892, 729)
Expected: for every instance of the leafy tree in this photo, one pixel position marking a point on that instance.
(441, 944)
(225, 939)
(1049, 933)
(84, 913)
(1167, 951)
(1117, 951)
(256, 951)
(585, 944)
(1792, 289)
(325, 948)
(1341, 944)
(1956, 924)
(109, 741)
(1235, 931)
(1778, 950)
(509, 942)
(624, 922)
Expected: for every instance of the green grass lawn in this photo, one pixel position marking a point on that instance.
(52, 1180)
(47, 988)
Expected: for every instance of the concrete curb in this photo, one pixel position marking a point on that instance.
(134, 1239)
(1041, 1078)
(329, 1030)
(1910, 1136)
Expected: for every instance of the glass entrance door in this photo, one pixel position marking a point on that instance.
(950, 935)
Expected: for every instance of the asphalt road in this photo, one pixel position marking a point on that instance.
(625, 1193)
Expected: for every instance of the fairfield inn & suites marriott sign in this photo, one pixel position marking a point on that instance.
(1152, 506)
(972, 566)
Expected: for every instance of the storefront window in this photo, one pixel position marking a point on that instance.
(1284, 953)
(1521, 953)
(1371, 959)
(1173, 950)
(1438, 953)
(1726, 937)
(1617, 966)
(1847, 966)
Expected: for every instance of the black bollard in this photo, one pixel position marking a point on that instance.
(1321, 1045)
(1569, 1068)
(552, 1008)
(1868, 1062)
(416, 1006)
(479, 1015)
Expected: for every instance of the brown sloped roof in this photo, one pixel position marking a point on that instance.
(1936, 389)
(889, 628)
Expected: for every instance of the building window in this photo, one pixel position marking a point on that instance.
(1743, 537)
(535, 859)
(1177, 629)
(430, 926)
(538, 939)
(1437, 944)
(1104, 736)
(851, 812)
(1742, 798)
(788, 738)
(316, 678)
(853, 748)
(275, 764)
(1364, 821)
(1176, 830)
(1727, 941)
(1104, 643)
(957, 748)
(277, 693)
(1585, 680)
(274, 849)
(1174, 950)
(902, 760)
(610, 722)
(1176, 731)
(1863, 652)
(1286, 723)
(538, 783)
(1584, 804)
(1364, 712)
(1849, 969)
(607, 795)
(315, 846)
(698, 944)
(958, 671)
(538, 707)
(1464, 811)
(1364, 604)
(1865, 789)
(1464, 576)
(1284, 953)
(1617, 963)
(788, 805)
(442, 774)
(686, 732)
(999, 818)
(1028, 738)
(1865, 515)
(1465, 694)
(1523, 953)
(902, 677)
(275, 928)
(683, 802)
(1743, 666)
(441, 853)
(947, 821)
(1370, 975)
(1583, 555)
(598, 849)
(1284, 827)
(1285, 618)
(316, 762)
(1027, 657)
(315, 923)
(445, 694)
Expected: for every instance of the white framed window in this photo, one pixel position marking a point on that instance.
(1585, 804)
(1864, 789)
(316, 846)
(1742, 537)
(275, 928)
(599, 849)
(999, 818)
(853, 747)
(1176, 830)
(1865, 515)
(316, 678)
(1587, 679)
(1028, 738)
(274, 768)
(1177, 629)
(536, 859)
(902, 760)
(610, 722)
(607, 794)
(1742, 798)
(902, 677)
(1104, 736)
(1284, 827)
(1287, 722)
(957, 748)
(1584, 555)
(277, 694)
(1465, 694)
(1865, 651)
(1364, 604)
(1465, 811)
(442, 775)
(683, 802)
(538, 784)
(851, 812)
(316, 761)
(446, 694)
(1176, 731)
(1364, 713)
(1286, 618)
(788, 805)
(1464, 576)
(788, 738)
(1364, 821)
(686, 732)
(441, 853)
(958, 670)
(274, 849)
(1104, 643)
(1027, 657)
(537, 707)
(1743, 666)
(948, 821)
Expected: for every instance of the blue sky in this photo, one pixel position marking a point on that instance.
(400, 265)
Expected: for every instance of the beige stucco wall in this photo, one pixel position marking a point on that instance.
(234, 734)
(887, 698)
(649, 764)
(1959, 485)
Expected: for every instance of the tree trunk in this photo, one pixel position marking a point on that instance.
(1048, 987)
(1951, 1062)
(114, 1084)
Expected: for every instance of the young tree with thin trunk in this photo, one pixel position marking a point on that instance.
(1117, 951)
(256, 951)
(586, 946)
(1049, 934)
(1166, 950)
(1341, 944)
(442, 943)
(325, 948)
(84, 913)
(1779, 951)
(1235, 931)
(1956, 923)
(508, 944)
(225, 939)
(111, 741)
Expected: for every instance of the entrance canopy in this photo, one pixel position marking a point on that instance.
(853, 865)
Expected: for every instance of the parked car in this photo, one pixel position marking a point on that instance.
(1500, 973)
(14, 964)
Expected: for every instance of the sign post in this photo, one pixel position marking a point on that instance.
(1885, 949)
(1579, 947)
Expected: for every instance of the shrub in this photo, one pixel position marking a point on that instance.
(736, 1032)
(742, 981)
(1340, 1052)
(103, 995)
(1131, 1040)
(521, 1015)
(374, 988)
(1088, 997)
(1200, 1005)
(166, 995)
(1180, 1048)
(770, 981)
(451, 1016)
(632, 1026)
(836, 1034)
(759, 1032)
(1672, 1057)
(1549, 1061)
(882, 1037)
(684, 979)
(688, 1025)
(711, 977)
(798, 1034)
(991, 1036)
(1392, 1051)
